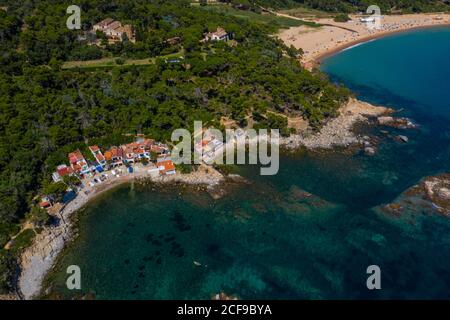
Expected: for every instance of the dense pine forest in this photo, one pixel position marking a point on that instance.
(48, 110)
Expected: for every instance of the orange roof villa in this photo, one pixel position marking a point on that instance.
(165, 166)
(114, 156)
(138, 150)
(114, 30)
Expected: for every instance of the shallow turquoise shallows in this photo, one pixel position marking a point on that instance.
(271, 239)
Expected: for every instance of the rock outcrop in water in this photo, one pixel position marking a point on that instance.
(432, 194)
(399, 123)
(437, 191)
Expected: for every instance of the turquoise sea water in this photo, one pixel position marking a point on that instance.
(271, 239)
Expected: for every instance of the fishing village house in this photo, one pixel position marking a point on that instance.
(136, 151)
(209, 147)
(98, 155)
(159, 149)
(165, 165)
(128, 154)
(141, 149)
(114, 156)
(128, 151)
(78, 163)
(114, 30)
(61, 171)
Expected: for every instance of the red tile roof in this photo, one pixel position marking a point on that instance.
(44, 204)
(108, 155)
(138, 147)
(167, 164)
(127, 148)
(116, 152)
(94, 148)
(114, 25)
(64, 170)
(105, 22)
(99, 157)
(76, 156)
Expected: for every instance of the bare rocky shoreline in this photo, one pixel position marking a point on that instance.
(338, 131)
(431, 194)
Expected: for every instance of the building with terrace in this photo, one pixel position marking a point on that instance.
(114, 30)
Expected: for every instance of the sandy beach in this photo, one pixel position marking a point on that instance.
(332, 37)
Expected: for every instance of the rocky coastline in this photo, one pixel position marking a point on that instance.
(431, 194)
(39, 258)
(338, 132)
